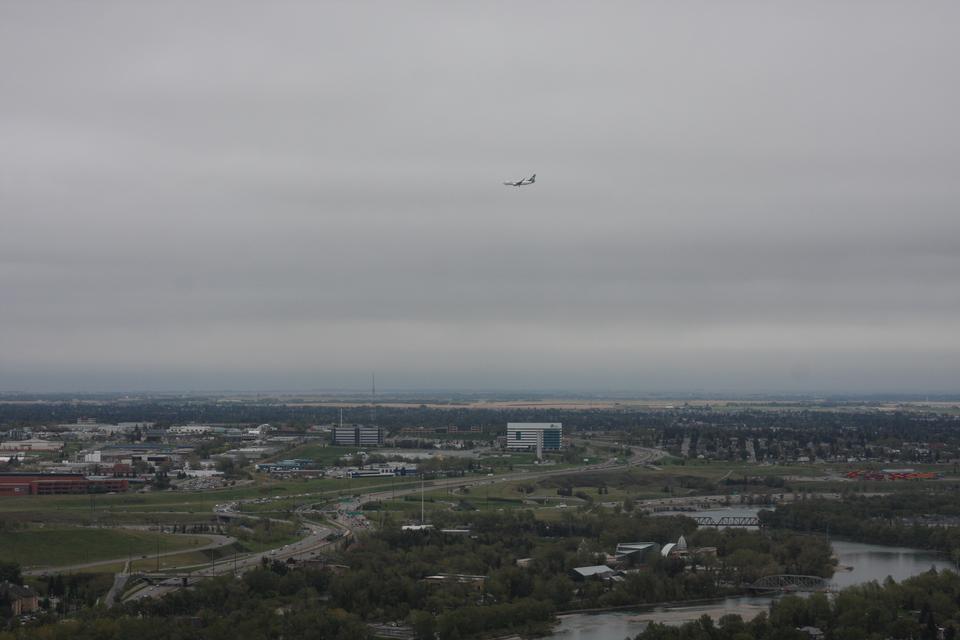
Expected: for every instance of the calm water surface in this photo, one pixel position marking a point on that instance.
(867, 561)
(876, 562)
(617, 625)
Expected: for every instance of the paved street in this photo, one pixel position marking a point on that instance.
(316, 540)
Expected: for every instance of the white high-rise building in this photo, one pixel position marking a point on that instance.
(534, 436)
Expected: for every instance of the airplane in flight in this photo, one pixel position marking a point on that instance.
(522, 183)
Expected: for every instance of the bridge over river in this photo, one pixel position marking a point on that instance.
(793, 583)
(728, 521)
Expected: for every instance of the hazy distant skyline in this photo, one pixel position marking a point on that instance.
(737, 196)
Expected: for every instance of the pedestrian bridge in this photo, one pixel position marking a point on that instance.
(728, 521)
(790, 583)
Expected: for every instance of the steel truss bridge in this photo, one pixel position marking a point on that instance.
(790, 583)
(728, 521)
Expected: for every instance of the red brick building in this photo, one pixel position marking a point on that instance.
(50, 484)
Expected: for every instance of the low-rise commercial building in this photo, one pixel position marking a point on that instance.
(382, 471)
(636, 552)
(47, 484)
(31, 445)
(296, 464)
(597, 572)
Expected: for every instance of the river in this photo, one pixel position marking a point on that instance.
(867, 562)
(876, 562)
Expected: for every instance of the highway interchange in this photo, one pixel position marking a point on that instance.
(321, 535)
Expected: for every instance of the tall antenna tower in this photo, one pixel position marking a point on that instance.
(373, 399)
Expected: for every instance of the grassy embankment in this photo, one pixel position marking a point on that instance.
(55, 547)
(176, 506)
(694, 478)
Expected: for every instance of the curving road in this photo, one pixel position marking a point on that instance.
(345, 525)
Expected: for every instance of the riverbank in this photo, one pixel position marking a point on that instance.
(867, 562)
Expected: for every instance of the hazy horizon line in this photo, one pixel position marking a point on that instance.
(541, 392)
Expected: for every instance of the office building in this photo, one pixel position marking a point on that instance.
(357, 436)
(534, 436)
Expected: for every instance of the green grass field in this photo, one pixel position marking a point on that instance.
(671, 480)
(174, 562)
(54, 547)
(326, 455)
(281, 497)
(176, 506)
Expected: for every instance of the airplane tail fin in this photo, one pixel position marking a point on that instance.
(533, 178)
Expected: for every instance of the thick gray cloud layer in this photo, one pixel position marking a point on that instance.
(730, 196)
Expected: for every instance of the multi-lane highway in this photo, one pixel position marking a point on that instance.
(307, 546)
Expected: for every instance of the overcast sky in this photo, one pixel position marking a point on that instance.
(742, 196)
